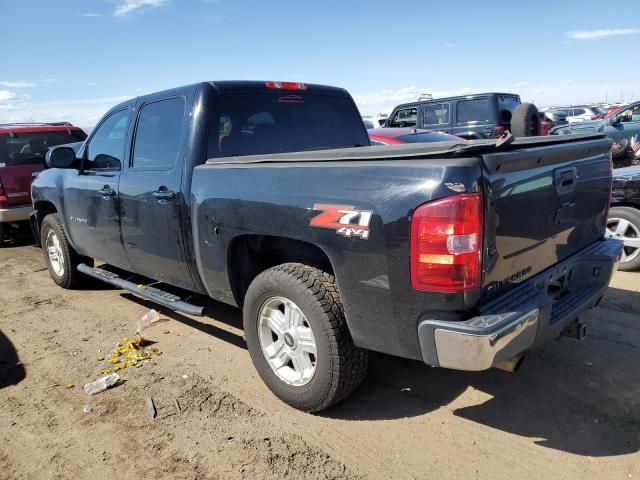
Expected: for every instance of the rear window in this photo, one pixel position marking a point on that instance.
(508, 102)
(263, 123)
(30, 148)
(477, 110)
(426, 137)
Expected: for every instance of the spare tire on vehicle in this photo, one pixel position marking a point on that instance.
(525, 121)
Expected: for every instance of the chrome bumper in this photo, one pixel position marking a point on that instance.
(525, 317)
(476, 351)
(19, 213)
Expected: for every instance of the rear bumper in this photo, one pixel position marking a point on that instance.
(527, 316)
(18, 213)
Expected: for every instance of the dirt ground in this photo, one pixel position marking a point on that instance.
(572, 411)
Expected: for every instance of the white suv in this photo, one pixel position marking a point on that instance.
(580, 113)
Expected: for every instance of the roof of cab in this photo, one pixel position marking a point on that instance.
(455, 97)
(243, 86)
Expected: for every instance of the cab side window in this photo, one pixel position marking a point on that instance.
(404, 118)
(105, 150)
(436, 114)
(158, 134)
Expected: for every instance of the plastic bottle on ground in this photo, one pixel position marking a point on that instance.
(101, 384)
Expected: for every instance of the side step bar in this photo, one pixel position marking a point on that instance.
(150, 293)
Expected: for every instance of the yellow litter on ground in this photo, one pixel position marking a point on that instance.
(128, 353)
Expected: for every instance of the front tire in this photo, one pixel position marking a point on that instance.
(61, 259)
(624, 224)
(298, 338)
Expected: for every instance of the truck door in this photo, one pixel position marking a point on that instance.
(150, 192)
(91, 196)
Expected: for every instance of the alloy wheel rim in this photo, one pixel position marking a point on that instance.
(629, 234)
(54, 251)
(287, 341)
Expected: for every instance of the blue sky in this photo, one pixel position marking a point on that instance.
(73, 59)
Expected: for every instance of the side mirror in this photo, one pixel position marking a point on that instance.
(615, 120)
(61, 157)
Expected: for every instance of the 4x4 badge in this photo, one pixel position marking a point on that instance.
(344, 219)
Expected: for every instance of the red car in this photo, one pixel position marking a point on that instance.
(396, 136)
(22, 150)
(609, 113)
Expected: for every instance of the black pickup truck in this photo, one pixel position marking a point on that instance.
(267, 195)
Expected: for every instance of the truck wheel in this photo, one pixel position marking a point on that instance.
(525, 121)
(624, 224)
(298, 338)
(59, 256)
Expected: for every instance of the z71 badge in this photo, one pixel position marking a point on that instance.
(344, 219)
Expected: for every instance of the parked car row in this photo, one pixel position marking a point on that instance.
(622, 125)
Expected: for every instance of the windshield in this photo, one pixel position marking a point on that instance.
(264, 123)
(30, 148)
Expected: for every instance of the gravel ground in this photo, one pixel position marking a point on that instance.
(572, 411)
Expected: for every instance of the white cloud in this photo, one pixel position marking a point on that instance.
(84, 113)
(12, 101)
(127, 6)
(520, 84)
(449, 45)
(90, 15)
(18, 84)
(92, 84)
(383, 101)
(601, 33)
(7, 96)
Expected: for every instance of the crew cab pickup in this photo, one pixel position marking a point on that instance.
(267, 195)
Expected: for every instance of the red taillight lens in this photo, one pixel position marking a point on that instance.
(446, 244)
(4, 200)
(286, 85)
(500, 131)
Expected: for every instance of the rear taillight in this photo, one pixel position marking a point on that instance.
(286, 85)
(446, 244)
(4, 200)
(500, 131)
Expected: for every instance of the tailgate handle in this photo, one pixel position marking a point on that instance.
(565, 180)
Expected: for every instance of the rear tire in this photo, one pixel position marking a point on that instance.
(304, 305)
(61, 259)
(624, 224)
(525, 121)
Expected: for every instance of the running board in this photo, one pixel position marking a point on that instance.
(150, 293)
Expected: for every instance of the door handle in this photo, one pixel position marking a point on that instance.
(107, 191)
(164, 194)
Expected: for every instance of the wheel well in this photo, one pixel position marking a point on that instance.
(42, 209)
(249, 255)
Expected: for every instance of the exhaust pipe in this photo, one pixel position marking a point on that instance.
(512, 365)
(577, 330)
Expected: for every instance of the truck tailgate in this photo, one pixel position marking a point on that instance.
(16, 182)
(543, 205)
